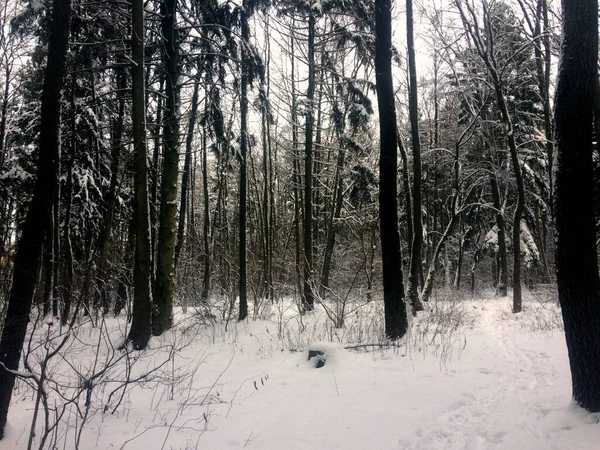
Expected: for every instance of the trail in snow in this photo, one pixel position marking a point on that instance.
(515, 392)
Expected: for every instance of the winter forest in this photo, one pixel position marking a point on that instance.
(299, 224)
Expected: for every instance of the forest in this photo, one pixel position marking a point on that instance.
(211, 164)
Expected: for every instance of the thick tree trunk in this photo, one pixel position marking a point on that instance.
(162, 313)
(396, 321)
(27, 259)
(576, 254)
(140, 331)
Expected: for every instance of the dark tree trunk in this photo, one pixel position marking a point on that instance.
(206, 224)
(242, 291)
(162, 313)
(417, 242)
(396, 321)
(27, 259)
(309, 296)
(295, 170)
(576, 254)
(140, 331)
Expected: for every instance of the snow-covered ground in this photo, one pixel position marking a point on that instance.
(470, 376)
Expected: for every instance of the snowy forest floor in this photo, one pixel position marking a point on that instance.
(470, 375)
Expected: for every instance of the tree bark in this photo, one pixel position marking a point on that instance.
(162, 313)
(576, 254)
(139, 333)
(295, 168)
(309, 296)
(396, 321)
(413, 105)
(206, 224)
(242, 290)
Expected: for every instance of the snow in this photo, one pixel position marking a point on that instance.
(529, 249)
(491, 240)
(470, 375)
(36, 5)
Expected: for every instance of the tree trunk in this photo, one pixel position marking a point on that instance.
(295, 168)
(27, 259)
(576, 254)
(206, 224)
(417, 242)
(309, 297)
(396, 321)
(139, 333)
(162, 313)
(242, 291)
